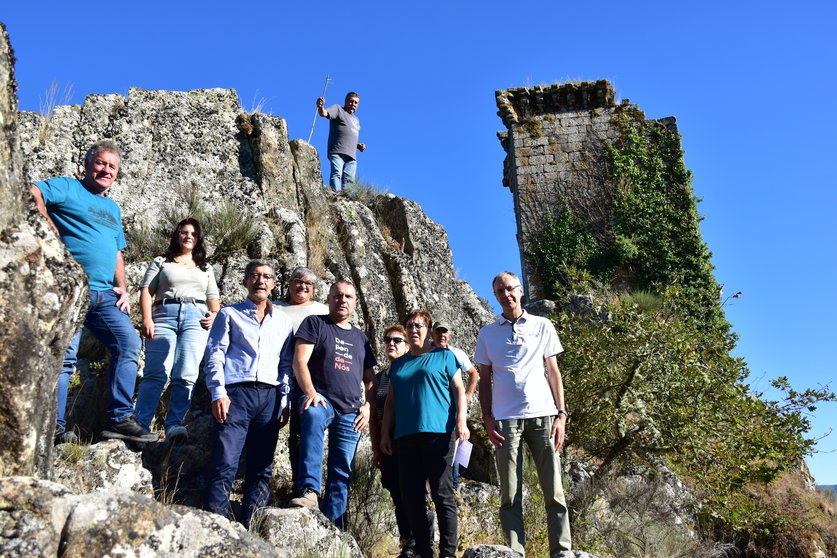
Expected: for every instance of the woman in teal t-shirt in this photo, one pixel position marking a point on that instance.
(426, 406)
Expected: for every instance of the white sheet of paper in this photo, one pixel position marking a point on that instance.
(463, 453)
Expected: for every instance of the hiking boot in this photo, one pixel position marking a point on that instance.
(65, 437)
(177, 434)
(129, 429)
(309, 499)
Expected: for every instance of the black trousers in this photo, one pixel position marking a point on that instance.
(428, 456)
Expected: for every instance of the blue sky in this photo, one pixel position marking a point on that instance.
(749, 82)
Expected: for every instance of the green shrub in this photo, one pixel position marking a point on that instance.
(363, 192)
(656, 239)
(660, 384)
(644, 301)
(230, 230)
(566, 243)
(73, 452)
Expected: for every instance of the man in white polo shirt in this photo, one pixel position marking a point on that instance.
(522, 398)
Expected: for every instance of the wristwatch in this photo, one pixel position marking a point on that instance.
(563, 412)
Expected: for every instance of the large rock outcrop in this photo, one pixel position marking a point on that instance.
(200, 145)
(198, 151)
(183, 151)
(41, 291)
(43, 519)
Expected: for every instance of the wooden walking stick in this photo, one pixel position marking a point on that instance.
(317, 112)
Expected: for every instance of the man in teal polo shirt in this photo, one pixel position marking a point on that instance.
(90, 225)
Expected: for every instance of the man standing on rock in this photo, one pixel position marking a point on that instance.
(343, 131)
(331, 359)
(299, 305)
(442, 334)
(90, 225)
(248, 363)
(522, 399)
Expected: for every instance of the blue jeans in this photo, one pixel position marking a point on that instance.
(175, 352)
(113, 328)
(252, 421)
(343, 170)
(342, 443)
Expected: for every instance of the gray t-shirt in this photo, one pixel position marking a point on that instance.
(172, 280)
(343, 132)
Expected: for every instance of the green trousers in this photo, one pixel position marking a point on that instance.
(536, 433)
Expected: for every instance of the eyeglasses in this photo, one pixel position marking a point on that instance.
(302, 282)
(502, 290)
(415, 326)
(257, 276)
(396, 340)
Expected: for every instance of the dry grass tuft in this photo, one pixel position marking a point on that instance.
(53, 97)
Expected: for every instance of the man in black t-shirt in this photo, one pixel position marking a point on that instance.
(331, 359)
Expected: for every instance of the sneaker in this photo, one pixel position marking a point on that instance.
(65, 437)
(177, 434)
(307, 500)
(130, 430)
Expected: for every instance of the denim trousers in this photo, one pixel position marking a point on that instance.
(113, 328)
(342, 443)
(428, 456)
(175, 353)
(343, 170)
(252, 423)
(536, 433)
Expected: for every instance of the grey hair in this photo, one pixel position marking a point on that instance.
(503, 274)
(98, 147)
(341, 282)
(303, 273)
(252, 264)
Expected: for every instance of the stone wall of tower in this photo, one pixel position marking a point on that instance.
(555, 142)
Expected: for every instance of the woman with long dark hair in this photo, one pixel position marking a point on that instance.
(179, 300)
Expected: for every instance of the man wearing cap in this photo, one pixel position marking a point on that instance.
(522, 399)
(442, 334)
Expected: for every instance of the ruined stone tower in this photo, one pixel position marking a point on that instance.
(556, 152)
